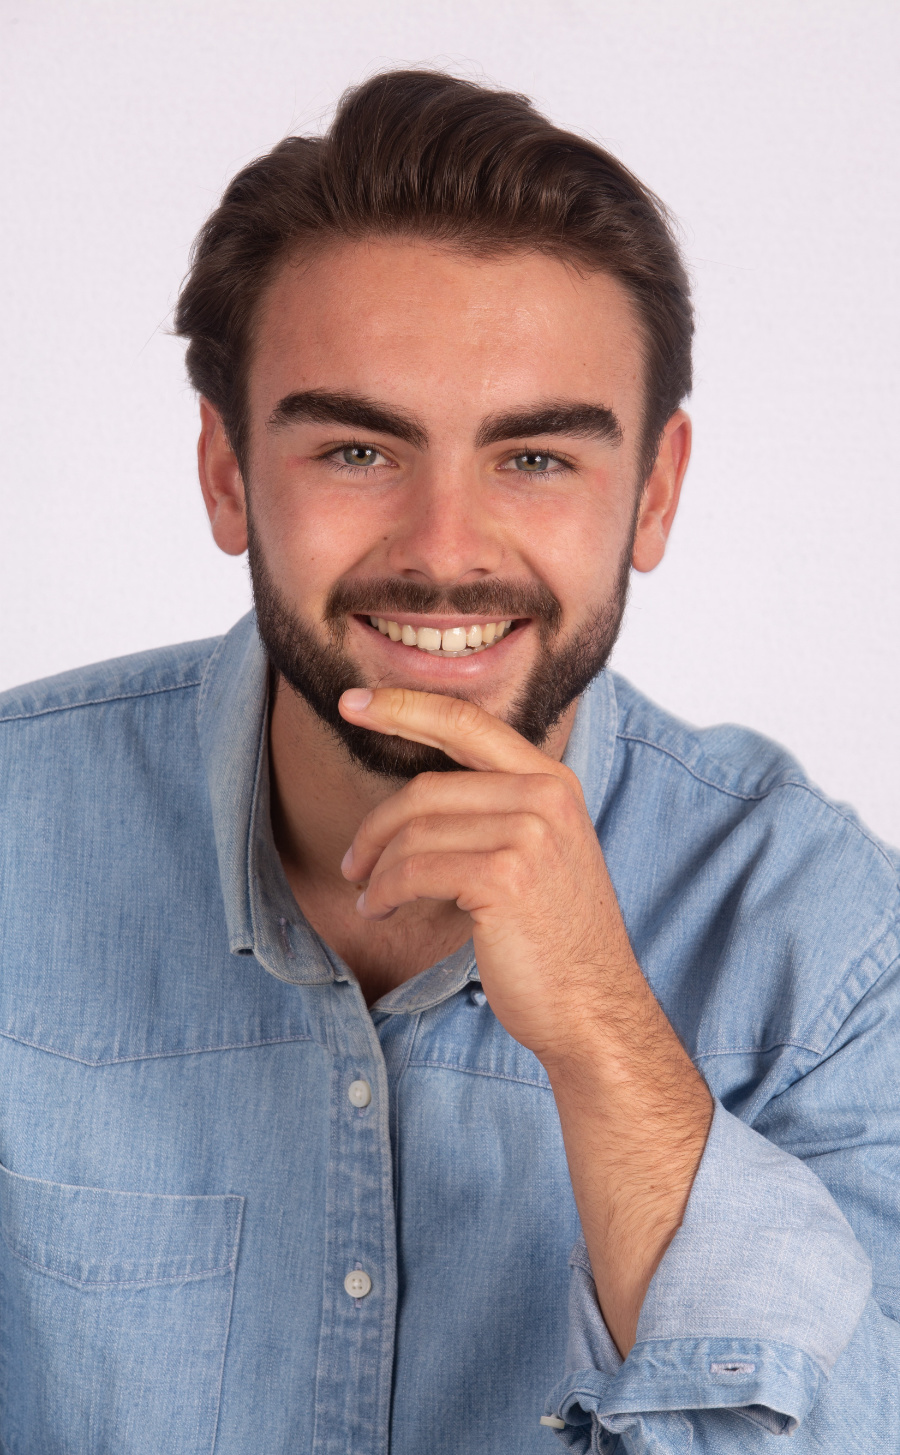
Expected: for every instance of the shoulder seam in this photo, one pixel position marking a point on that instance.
(758, 797)
(99, 701)
(719, 787)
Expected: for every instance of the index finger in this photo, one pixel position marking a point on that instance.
(466, 733)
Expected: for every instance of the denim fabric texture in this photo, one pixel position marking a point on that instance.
(185, 1183)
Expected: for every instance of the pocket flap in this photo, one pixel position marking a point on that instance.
(95, 1238)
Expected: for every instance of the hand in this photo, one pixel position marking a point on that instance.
(512, 843)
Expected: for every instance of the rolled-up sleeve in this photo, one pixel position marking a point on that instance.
(741, 1335)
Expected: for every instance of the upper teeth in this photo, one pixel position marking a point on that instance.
(454, 640)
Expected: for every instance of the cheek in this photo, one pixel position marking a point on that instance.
(575, 542)
(311, 537)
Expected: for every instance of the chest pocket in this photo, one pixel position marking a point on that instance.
(114, 1313)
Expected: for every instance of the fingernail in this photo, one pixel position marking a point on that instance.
(361, 902)
(347, 861)
(357, 698)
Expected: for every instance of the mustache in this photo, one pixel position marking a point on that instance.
(389, 595)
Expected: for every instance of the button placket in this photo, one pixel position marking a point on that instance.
(359, 1305)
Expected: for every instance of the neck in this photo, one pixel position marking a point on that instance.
(319, 798)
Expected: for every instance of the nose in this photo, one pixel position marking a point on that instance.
(444, 532)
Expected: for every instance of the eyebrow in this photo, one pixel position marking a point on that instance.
(589, 421)
(319, 406)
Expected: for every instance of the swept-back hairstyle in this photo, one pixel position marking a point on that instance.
(420, 153)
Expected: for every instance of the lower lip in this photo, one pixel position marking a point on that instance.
(413, 659)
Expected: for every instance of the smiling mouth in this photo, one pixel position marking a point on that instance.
(454, 641)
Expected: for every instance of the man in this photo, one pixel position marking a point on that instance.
(414, 1040)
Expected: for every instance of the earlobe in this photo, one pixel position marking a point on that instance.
(661, 494)
(221, 483)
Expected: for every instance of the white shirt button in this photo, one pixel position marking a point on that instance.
(360, 1093)
(358, 1283)
(553, 1422)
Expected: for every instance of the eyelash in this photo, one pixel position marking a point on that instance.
(330, 457)
(563, 465)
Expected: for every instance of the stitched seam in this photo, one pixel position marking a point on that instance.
(156, 1055)
(731, 792)
(826, 1052)
(99, 701)
(413, 1030)
(751, 1050)
(119, 1282)
(249, 888)
(469, 1071)
(226, 1340)
(207, 673)
(749, 1341)
(757, 797)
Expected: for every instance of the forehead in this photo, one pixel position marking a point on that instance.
(441, 331)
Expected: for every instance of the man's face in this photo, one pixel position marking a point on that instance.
(450, 444)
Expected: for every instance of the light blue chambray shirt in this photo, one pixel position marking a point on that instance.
(186, 1183)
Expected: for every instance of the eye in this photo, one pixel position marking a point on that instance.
(360, 456)
(535, 462)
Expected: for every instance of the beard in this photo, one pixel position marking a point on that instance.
(319, 671)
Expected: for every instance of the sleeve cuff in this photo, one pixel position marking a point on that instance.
(758, 1293)
(772, 1386)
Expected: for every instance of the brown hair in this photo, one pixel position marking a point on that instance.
(422, 153)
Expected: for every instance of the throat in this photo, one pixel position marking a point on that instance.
(316, 804)
(385, 954)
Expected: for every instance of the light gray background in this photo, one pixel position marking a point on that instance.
(770, 128)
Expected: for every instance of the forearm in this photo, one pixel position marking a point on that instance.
(751, 1326)
(635, 1115)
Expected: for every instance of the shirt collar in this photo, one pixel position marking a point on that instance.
(261, 913)
(592, 741)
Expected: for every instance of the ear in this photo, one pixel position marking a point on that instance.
(221, 483)
(659, 500)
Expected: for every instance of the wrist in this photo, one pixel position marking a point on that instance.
(605, 1079)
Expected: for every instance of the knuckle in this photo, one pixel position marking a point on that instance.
(400, 703)
(412, 833)
(555, 793)
(421, 786)
(462, 715)
(570, 782)
(409, 869)
(537, 830)
(509, 871)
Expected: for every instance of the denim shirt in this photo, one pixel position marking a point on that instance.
(240, 1212)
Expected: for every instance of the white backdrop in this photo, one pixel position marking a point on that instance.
(771, 129)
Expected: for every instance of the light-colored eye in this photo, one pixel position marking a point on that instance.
(533, 462)
(361, 456)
